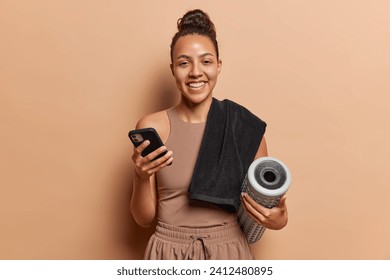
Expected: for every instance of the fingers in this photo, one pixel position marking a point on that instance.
(249, 206)
(141, 147)
(146, 166)
(158, 164)
(137, 155)
(282, 202)
(256, 206)
(138, 150)
(274, 218)
(151, 156)
(150, 164)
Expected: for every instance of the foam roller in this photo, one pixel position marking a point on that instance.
(267, 180)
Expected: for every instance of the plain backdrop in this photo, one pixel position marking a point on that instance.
(75, 76)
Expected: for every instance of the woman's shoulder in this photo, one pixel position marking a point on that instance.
(151, 119)
(158, 120)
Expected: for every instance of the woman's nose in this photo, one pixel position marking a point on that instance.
(196, 70)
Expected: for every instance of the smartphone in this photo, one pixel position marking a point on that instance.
(138, 136)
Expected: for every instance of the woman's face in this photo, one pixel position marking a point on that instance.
(195, 67)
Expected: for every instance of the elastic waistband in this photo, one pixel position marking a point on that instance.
(215, 234)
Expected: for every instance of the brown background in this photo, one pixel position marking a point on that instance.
(75, 76)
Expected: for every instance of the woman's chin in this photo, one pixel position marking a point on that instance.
(197, 97)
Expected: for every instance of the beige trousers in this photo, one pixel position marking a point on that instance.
(225, 242)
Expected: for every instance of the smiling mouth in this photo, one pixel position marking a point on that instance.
(196, 85)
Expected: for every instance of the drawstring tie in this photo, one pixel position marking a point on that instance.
(191, 247)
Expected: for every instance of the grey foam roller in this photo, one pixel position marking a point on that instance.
(267, 180)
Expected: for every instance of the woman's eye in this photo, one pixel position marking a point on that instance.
(183, 63)
(207, 61)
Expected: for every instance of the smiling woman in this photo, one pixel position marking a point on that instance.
(200, 223)
(196, 69)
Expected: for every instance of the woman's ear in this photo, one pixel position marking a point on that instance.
(219, 65)
(171, 66)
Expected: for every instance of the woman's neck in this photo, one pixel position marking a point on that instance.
(194, 112)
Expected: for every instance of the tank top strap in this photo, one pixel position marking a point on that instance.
(173, 123)
(173, 117)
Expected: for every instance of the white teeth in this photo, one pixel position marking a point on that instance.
(196, 85)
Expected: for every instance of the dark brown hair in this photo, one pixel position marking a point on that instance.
(195, 22)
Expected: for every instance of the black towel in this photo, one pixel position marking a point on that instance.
(231, 139)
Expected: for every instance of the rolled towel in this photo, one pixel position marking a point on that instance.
(267, 180)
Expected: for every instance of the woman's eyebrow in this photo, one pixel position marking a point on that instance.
(206, 54)
(183, 56)
(188, 57)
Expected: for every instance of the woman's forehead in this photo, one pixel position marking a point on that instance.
(193, 44)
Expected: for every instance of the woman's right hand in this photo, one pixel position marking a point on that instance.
(146, 166)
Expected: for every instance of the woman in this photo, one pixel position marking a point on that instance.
(190, 228)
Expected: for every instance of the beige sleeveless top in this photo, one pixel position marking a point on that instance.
(174, 206)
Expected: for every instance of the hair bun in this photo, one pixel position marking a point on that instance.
(195, 22)
(198, 21)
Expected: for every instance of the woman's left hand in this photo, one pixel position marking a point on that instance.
(274, 218)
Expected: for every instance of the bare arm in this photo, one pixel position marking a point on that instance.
(143, 203)
(274, 218)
